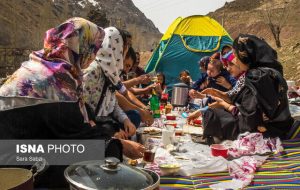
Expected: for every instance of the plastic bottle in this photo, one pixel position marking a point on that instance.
(168, 108)
(164, 97)
(154, 105)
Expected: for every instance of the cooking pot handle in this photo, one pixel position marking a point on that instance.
(39, 167)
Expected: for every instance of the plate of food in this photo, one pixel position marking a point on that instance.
(169, 169)
(191, 129)
(143, 133)
(196, 122)
(150, 130)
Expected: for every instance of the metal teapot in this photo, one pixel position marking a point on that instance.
(180, 95)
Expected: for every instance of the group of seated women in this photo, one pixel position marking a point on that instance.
(73, 89)
(257, 102)
(68, 90)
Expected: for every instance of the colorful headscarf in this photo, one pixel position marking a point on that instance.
(228, 57)
(255, 52)
(109, 64)
(53, 74)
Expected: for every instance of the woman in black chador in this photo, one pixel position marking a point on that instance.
(258, 102)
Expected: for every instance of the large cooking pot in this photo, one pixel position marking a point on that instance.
(180, 95)
(109, 174)
(20, 178)
(16, 179)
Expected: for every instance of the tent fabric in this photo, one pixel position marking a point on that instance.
(186, 41)
(200, 26)
(171, 29)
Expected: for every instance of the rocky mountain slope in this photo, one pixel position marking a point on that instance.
(24, 22)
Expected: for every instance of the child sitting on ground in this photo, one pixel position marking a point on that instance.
(185, 77)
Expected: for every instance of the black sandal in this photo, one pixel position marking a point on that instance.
(202, 140)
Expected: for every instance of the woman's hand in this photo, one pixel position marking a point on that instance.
(121, 134)
(216, 93)
(92, 123)
(130, 129)
(144, 79)
(223, 82)
(210, 91)
(132, 149)
(149, 88)
(195, 94)
(219, 103)
(193, 116)
(261, 129)
(146, 117)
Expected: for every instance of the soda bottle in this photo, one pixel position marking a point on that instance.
(154, 104)
(164, 98)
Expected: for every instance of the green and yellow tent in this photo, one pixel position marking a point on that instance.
(185, 42)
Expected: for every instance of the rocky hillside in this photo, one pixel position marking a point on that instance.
(244, 16)
(24, 22)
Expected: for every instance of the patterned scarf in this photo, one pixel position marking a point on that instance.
(54, 74)
(109, 63)
(238, 86)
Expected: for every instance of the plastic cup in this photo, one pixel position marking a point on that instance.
(219, 150)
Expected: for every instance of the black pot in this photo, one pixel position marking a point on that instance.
(109, 174)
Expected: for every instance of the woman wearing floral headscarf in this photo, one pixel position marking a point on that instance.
(43, 98)
(259, 103)
(47, 85)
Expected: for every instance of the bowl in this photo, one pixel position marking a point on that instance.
(219, 150)
(174, 124)
(169, 169)
(170, 117)
(198, 122)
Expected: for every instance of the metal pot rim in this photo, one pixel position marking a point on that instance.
(73, 182)
(156, 183)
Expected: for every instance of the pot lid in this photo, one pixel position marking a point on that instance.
(183, 85)
(108, 174)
